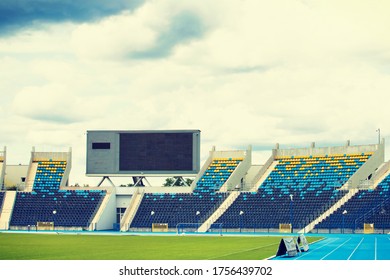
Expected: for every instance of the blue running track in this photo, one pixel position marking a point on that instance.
(347, 247)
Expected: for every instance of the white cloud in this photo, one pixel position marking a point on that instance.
(261, 72)
(113, 37)
(131, 34)
(51, 40)
(58, 104)
(49, 103)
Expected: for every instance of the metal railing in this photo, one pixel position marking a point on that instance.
(370, 213)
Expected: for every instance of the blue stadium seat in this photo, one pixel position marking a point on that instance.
(313, 182)
(182, 208)
(74, 208)
(367, 206)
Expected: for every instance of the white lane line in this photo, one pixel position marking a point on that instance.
(353, 252)
(331, 240)
(335, 249)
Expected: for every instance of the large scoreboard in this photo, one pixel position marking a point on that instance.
(143, 152)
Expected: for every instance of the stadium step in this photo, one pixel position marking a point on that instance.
(6, 211)
(31, 176)
(264, 176)
(330, 211)
(382, 172)
(131, 210)
(219, 212)
(95, 221)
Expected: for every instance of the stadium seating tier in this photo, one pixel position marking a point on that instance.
(370, 206)
(297, 191)
(188, 208)
(48, 203)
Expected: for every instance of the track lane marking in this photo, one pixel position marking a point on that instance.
(353, 252)
(331, 240)
(335, 249)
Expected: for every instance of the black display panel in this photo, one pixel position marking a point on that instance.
(143, 152)
(156, 151)
(101, 146)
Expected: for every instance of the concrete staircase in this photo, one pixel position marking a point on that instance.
(131, 210)
(2, 174)
(330, 211)
(218, 213)
(31, 176)
(101, 209)
(381, 174)
(263, 177)
(6, 210)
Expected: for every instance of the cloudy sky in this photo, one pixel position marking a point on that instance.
(244, 72)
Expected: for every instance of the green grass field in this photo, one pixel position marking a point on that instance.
(14, 246)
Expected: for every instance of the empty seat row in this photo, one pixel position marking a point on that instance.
(366, 206)
(296, 191)
(183, 208)
(48, 203)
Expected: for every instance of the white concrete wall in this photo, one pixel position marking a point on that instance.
(241, 170)
(231, 154)
(254, 181)
(252, 174)
(6, 209)
(2, 174)
(108, 215)
(68, 167)
(123, 201)
(14, 175)
(368, 168)
(42, 156)
(3, 162)
(321, 151)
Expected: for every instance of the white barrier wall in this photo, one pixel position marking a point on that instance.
(108, 215)
(16, 175)
(368, 168)
(322, 151)
(2, 166)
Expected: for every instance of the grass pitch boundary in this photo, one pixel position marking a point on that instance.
(116, 246)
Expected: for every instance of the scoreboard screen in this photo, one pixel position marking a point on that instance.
(173, 152)
(155, 151)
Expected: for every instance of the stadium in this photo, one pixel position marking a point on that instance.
(334, 191)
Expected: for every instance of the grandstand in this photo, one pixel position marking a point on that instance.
(314, 189)
(194, 207)
(46, 199)
(306, 185)
(2, 168)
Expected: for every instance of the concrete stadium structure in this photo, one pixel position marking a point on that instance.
(300, 190)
